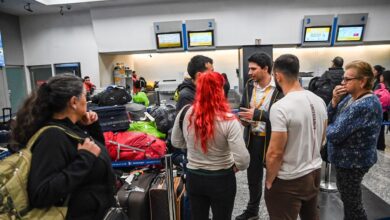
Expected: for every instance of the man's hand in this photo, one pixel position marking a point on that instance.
(268, 185)
(89, 118)
(246, 113)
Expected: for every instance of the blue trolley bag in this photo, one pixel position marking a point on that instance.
(134, 197)
(113, 118)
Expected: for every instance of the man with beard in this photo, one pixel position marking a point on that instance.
(259, 95)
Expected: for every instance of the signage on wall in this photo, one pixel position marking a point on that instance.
(2, 63)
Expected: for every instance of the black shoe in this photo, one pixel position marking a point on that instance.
(247, 216)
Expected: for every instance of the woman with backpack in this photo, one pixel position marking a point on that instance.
(69, 166)
(384, 97)
(215, 147)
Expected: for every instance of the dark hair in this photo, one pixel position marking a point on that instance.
(51, 97)
(262, 60)
(338, 62)
(198, 64)
(225, 77)
(386, 78)
(86, 77)
(288, 65)
(364, 70)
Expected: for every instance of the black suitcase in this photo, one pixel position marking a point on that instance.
(114, 95)
(134, 198)
(113, 118)
(158, 197)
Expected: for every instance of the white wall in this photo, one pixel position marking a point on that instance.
(49, 39)
(130, 28)
(318, 60)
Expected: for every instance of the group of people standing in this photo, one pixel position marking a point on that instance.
(285, 126)
(280, 126)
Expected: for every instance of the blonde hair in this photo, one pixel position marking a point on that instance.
(363, 70)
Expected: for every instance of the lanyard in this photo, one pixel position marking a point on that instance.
(266, 92)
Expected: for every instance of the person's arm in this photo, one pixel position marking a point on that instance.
(324, 133)
(177, 137)
(54, 174)
(348, 122)
(275, 156)
(237, 145)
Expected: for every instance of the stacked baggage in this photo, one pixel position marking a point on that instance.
(5, 133)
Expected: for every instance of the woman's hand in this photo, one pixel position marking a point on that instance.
(89, 118)
(338, 92)
(90, 146)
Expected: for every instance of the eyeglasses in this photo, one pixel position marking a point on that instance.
(347, 79)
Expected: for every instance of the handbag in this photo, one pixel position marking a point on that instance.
(115, 213)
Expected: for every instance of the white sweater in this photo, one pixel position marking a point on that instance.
(224, 150)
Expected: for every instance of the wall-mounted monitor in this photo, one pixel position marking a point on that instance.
(350, 33)
(2, 62)
(201, 38)
(169, 40)
(317, 34)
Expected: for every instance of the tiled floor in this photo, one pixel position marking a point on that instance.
(376, 193)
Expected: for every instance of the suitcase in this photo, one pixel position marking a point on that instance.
(158, 197)
(136, 111)
(113, 118)
(134, 197)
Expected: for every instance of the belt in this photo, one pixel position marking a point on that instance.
(255, 133)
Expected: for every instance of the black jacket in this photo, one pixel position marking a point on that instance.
(187, 91)
(59, 170)
(259, 115)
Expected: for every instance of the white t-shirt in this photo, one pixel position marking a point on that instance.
(293, 114)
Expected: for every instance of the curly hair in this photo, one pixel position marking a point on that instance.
(51, 97)
(210, 104)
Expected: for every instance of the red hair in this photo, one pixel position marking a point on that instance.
(210, 103)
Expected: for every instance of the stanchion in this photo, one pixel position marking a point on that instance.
(170, 187)
(326, 185)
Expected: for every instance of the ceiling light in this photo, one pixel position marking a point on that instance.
(27, 7)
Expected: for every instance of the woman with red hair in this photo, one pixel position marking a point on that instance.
(215, 147)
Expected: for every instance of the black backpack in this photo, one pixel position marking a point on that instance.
(165, 117)
(312, 84)
(114, 96)
(325, 84)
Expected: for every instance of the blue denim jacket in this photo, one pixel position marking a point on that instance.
(353, 132)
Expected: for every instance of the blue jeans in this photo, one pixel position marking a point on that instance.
(216, 190)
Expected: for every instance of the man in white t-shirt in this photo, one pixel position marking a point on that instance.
(298, 124)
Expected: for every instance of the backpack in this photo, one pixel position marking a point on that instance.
(14, 171)
(165, 117)
(312, 83)
(384, 96)
(324, 87)
(114, 96)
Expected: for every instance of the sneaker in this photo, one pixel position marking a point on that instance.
(247, 216)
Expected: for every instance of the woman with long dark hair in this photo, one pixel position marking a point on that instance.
(383, 95)
(215, 147)
(65, 171)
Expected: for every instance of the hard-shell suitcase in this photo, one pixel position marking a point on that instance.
(134, 197)
(158, 197)
(113, 118)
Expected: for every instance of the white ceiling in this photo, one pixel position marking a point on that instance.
(16, 7)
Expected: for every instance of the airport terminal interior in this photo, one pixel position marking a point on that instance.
(111, 41)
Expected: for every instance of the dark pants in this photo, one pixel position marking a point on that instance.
(288, 198)
(381, 139)
(255, 173)
(217, 192)
(349, 185)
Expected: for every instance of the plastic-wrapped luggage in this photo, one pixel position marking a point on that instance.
(113, 118)
(136, 111)
(134, 196)
(148, 127)
(164, 116)
(133, 146)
